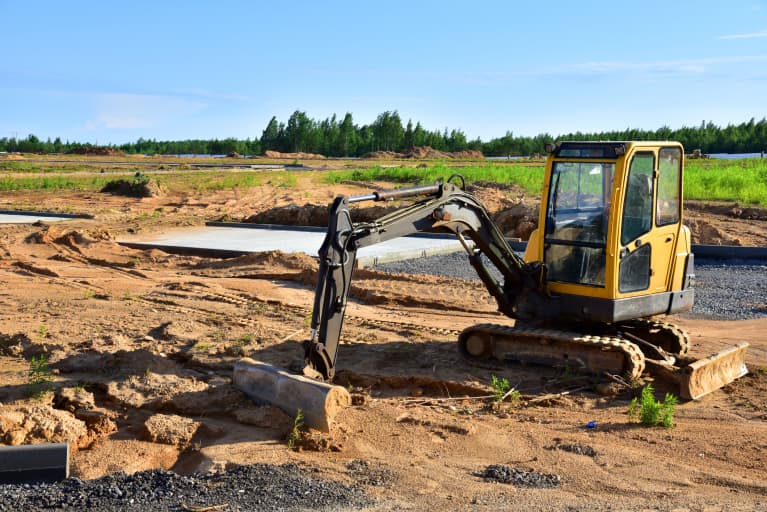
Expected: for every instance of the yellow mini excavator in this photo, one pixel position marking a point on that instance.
(609, 255)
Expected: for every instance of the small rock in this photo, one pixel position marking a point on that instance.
(266, 417)
(37, 423)
(170, 429)
(96, 421)
(71, 399)
(416, 391)
(608, 388)
(15, 437)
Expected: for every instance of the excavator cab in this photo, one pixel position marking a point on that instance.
(611, 233)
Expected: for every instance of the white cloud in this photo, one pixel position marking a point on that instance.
(688, 67)
(139, 111)
(752, 35)
(691, 66)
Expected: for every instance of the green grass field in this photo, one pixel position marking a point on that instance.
(743, 181)
(529, 177)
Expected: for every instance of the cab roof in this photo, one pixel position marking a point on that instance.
(600, 149)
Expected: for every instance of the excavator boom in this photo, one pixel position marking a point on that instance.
(443, 207)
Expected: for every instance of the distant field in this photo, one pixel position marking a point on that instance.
(529, 177)
(743, 181)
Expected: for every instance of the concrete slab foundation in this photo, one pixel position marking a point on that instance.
(234, 240)
(14, 217)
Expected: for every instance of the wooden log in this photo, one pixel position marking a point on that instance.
(267, 384)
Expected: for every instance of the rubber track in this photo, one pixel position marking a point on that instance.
(645, 326)
(633, 357)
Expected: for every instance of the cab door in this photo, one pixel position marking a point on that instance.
(668, 193)
(650, 221)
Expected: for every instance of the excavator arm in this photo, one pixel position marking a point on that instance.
(442, 207)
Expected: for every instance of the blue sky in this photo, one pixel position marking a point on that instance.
(111, 72)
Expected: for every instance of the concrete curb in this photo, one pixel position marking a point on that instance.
(47, 462)
(47, 214)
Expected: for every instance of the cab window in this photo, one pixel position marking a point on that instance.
(669, 186)
(637, 203)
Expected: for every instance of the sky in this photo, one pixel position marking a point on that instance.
(110, 72)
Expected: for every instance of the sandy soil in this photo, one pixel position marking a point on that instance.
(131, 335)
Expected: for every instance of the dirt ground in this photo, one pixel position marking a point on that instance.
(140, 345)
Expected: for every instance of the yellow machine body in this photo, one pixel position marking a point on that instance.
(611, 226)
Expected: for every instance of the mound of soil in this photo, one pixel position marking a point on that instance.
(382, 155)
(518, 221)
(424, 152)
(139, 186)
(313, 215)
(96, 150)
(37, 423)
(469, 154)
(276, 154)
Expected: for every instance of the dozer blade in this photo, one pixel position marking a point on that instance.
(713, 372)
(266, 384)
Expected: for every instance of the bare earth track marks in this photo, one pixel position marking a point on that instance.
(150, 333)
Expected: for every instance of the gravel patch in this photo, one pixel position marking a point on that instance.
(731, 290)
(578, 449)
(366, 474)
(262, 487)
(520, 478)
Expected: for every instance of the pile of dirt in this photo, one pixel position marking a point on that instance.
(139, 186)
(703, 232)
(425, 152)
(276, 154)
(468, 154)
(172, 393)
(313, 215)
(518, 221)
(66, 236)
(264, 265)
(37, 423)
(382, 155)
(735, 211)
(96, 151)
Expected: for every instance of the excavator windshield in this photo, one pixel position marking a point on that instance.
(576, 222)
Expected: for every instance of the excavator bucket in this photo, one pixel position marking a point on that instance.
(713, 372)
(319, 402)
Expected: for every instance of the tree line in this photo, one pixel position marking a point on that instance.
(344, 138)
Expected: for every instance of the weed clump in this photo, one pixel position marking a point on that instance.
(140, 186)
(502, 390)
(39, 377)
(651, 412)
(298, 430)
